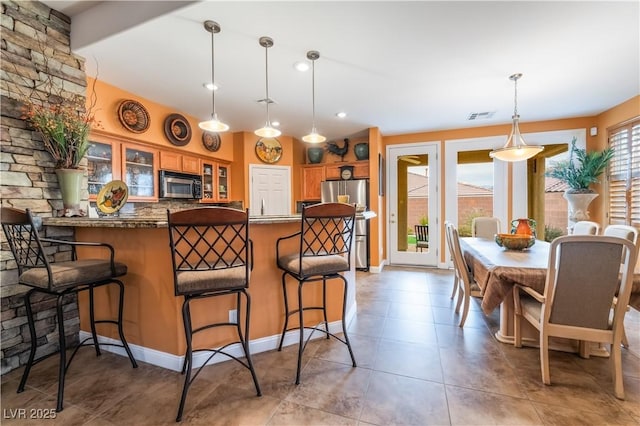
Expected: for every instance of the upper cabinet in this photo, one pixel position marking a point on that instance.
(100, 165)
(215, 182)
(177, 162)
(360, 170)
(140, 171)
(312, 177)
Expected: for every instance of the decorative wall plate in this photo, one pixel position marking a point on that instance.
(211, 141)
(177, 129)
(269, 150)
(112, 197)
(133, 116)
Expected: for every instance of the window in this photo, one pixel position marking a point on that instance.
(624, 174)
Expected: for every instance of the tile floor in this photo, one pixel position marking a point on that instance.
(415, 367)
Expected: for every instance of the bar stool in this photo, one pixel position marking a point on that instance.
(60, 279)
(212, 256)
(324, 251)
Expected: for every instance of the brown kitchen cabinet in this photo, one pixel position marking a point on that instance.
(360, 170)
(179, 162)
(140, 171)
(312, 177)
(103, 158)
(215, 182)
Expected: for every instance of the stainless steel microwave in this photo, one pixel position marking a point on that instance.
(180, 185)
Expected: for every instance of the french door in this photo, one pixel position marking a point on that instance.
(413, 182)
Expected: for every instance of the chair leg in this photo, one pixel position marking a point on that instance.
(544, 357)
(62, 366)
(301, 343)
(465, 306)
(461, 295)
(344, 323)
(188, 358)
(625, 341)
(92, 320)
(616, 365)
(34, 343)
(455, 286)
(324, 306)
(245, 339)
(517, 331)
(286, 310)
(120, 329)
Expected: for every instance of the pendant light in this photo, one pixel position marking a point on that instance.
(314, 136)
(213, 125)
(268, 131)
(515, 149)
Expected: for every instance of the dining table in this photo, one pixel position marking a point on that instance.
(496, 270)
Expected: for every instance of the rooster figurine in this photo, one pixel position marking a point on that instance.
(333, 148)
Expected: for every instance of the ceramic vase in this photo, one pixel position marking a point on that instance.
(523, 226)
(362, 151)
(578, 206)
(70, 181)
(315, 154)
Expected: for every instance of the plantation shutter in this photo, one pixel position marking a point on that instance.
(624, 175)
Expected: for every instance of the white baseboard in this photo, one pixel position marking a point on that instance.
(174, 362)
(377, 269)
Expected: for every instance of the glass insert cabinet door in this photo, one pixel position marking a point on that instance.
(99, 166)
(139, 171)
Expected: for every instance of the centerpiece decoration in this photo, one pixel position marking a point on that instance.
(63, 120)
(579, 172)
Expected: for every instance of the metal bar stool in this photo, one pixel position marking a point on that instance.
(325, 241)
(212, 256)
(60, 279)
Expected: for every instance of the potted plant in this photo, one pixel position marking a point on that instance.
(63, 120)
(579, 172)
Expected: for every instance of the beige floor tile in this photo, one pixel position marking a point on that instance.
(562, 415)
(393, 399)
(410, 331)
(473, 340)
(409, 359)
(332, 387)
(472, 407)
(289, 413)
(367, 325)
(405, 311)
(364, 349)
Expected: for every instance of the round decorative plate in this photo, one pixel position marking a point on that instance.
(177, 129)
(112, 197)
(269, 150)
(133, 116)
(211, 141)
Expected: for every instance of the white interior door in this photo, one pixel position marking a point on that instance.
(270, 189)
(412, 181)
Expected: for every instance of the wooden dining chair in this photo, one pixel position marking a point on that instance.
(585, 227)
(422, 237)
(485, 227)
(464, 278)
(582, 279)
(447, 235)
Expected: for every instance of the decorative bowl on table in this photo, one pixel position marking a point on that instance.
(515, 241)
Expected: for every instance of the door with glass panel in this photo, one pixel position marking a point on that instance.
(413, 205)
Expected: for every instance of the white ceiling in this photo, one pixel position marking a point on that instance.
(401, 66)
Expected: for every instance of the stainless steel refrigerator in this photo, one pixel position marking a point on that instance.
(358, 192)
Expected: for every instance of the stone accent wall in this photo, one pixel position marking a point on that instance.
(27, 178)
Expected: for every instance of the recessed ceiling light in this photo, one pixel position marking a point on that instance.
(211, 86)
(301, 66)
(341, 114)
(275, 123)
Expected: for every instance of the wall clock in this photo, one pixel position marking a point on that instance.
(269, 150)
(346, 172)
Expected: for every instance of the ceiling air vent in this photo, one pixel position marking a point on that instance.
(480, 115)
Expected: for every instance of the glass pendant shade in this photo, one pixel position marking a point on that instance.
(515, 149)
(213, 125)
(267, 131)
(314, 136)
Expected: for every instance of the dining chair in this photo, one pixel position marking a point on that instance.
(447, 234)
(422, 236)
(585, 227)
(323, 254)
(464, 277)
(59, 280)
(582, 279)
(212, 256)
(628, 233)
(485, 227)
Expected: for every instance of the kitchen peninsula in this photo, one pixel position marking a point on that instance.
(152, 313)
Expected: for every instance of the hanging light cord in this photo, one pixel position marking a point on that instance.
(213, 80)
(266, 81)
(515, 78)
(313, 95)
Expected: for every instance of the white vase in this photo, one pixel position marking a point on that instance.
(578, 204)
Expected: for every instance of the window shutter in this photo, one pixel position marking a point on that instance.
(624, 175)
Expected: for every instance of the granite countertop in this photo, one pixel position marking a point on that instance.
(161, 222)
